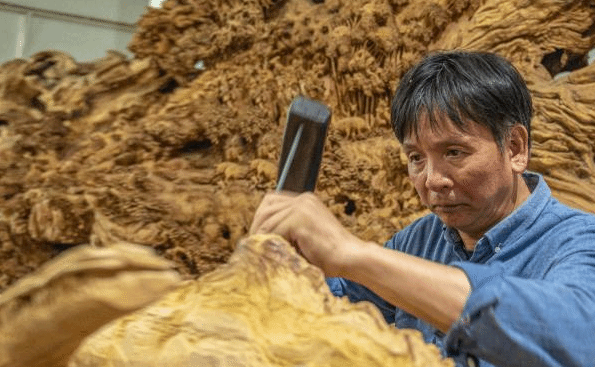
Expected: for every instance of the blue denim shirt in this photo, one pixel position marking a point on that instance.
(532, 300)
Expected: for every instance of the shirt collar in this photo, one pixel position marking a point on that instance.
(515, 224)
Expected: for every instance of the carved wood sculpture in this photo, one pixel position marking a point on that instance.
(266, 307)
(156, 151)
(45, 316)
(174, 148)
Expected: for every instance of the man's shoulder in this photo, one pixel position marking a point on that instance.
(561, 225)
(566, 214)
(547, 210)
(426, 229)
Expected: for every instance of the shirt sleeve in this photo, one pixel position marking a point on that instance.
(515, 321)
(356, 292)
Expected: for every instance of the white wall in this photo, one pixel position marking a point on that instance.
(9, 23)
(86, 29)
(118, 10)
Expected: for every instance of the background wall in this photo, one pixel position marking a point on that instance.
(84, 28)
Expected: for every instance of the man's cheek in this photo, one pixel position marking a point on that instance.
(423, 195)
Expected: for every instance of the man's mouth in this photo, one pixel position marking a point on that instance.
(445, 208)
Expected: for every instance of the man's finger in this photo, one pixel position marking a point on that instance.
(272, 203)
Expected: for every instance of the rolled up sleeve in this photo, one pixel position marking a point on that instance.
(514, 321)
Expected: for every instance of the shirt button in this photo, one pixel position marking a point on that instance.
(497, 249)
(472, 362)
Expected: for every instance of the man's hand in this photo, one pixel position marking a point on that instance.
(310, 226)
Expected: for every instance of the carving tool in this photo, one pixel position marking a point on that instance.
(303, 142)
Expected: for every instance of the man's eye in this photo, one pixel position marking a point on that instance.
(453, 153)
(413, 158)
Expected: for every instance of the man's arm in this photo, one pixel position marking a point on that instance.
(433, 292)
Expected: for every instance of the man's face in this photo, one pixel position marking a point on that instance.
(462, 176)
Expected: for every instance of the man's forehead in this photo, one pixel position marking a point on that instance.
(442, 129)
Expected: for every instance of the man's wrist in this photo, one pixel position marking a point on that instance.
(353, 257)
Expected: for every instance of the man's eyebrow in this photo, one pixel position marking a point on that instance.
(408, 146)
(458, 140)
(454, 141)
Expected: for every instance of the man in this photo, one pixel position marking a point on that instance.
(500, 273)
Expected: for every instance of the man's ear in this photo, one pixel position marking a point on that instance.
(518, 148)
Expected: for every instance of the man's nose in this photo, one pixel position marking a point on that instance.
(437, 178)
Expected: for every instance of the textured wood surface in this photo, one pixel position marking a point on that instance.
(45, 316)
(266, 307)
(174, 149)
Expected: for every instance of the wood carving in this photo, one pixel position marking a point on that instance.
(266, 307)
(45, 316)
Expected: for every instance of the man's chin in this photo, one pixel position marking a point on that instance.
(454, 219)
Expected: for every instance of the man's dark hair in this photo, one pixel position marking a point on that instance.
(463, 86)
